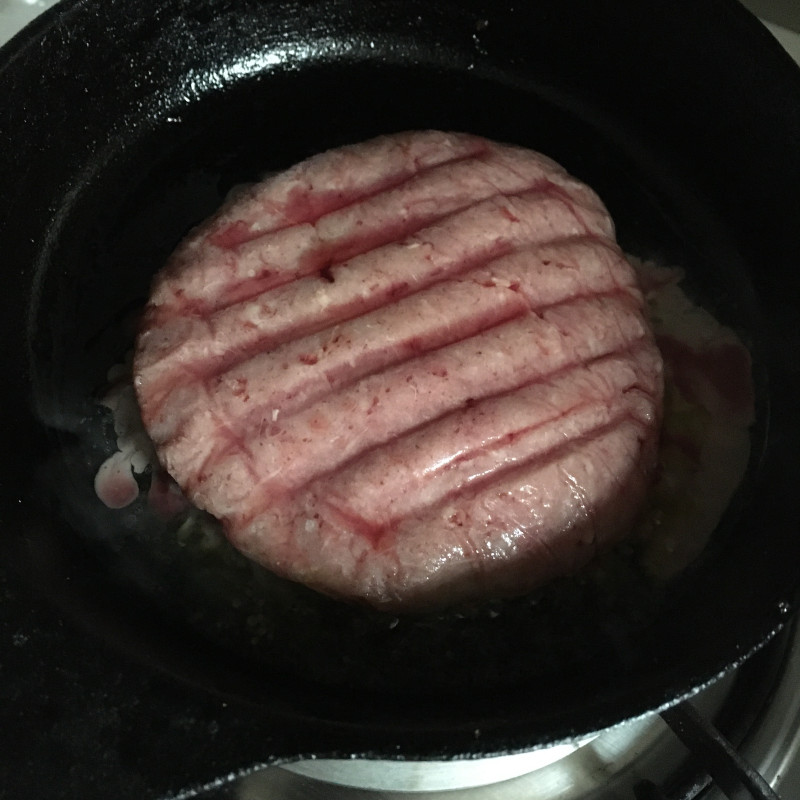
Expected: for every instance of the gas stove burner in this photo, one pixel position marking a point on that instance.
(433, 776)
(757, 707)
(553, 768)
(568, 772)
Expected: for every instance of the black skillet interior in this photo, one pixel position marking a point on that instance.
(125, 123)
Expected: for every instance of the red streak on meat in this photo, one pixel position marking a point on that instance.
(231, 236)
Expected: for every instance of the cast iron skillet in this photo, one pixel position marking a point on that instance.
(140, 667)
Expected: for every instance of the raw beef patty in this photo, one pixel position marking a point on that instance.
(410, 371)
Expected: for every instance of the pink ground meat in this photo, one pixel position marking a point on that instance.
(409, 372)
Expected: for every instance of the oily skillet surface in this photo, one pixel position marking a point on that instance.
(127, 667)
